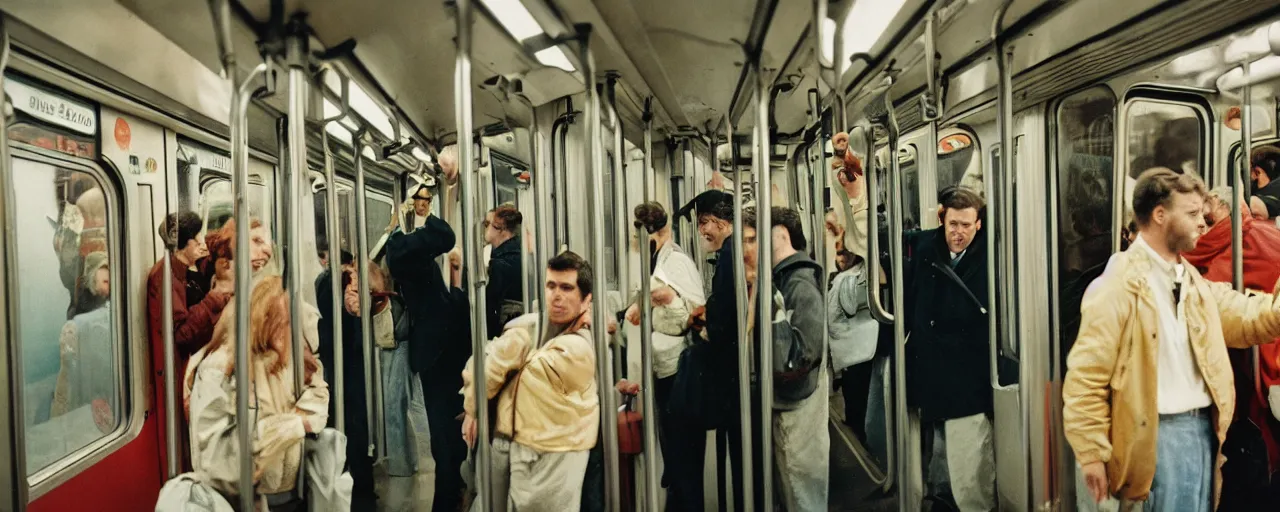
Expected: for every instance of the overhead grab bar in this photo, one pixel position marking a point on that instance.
(878, 310)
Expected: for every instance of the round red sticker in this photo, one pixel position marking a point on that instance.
(103, 416)
(124, 135)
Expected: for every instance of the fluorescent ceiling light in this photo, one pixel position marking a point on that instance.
(554, 57)
(1266, 68)
(1195, 62)
(421, 155)
(514, 17)
(864, 25)
(828, 39)
(367, 152)
(1248, 46)
(359, 101)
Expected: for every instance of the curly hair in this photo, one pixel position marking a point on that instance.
(651, 216)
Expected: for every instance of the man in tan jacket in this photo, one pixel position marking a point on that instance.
(548, 412)
(1148, 393)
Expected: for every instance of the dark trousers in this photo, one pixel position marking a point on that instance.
(444, 405)
(593, 479)
(733, 438)
(683, 453)
(359, 462)
(855, 385)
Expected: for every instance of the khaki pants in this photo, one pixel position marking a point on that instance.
(525, 480)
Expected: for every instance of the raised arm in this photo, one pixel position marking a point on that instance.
(1086, 389)
(430, 241)
(1247, 319)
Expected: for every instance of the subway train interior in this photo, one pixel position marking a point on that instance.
(324, 120)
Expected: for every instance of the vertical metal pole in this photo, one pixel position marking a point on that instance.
(1240, 183)
(649, 404)
(878, 310)
(334, 233)
(170, 366)
(540, 179)
(764, 286)
(594, 156)
(620, 210)
(296, 48)
(13, 492)
(241, 97)
(908, 500)
(471, 254)
(744, 347)
(372, 370)
(817, 213)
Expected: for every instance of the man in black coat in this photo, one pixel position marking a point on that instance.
(503, 295)
(948, 380)
(440, 342)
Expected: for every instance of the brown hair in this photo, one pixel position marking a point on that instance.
(1156, 187)
(222, 243)
(270, 336)
(960, 198)
(508, 218)
(651, 216)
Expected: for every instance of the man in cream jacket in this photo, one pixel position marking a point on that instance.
(1148, 393)
(548, 412)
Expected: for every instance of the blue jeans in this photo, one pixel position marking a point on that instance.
(1185, 453)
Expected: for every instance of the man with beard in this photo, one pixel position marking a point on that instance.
(1148, 396)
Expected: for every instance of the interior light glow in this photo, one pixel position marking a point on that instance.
(1195, 62)
(338, 132)
(865, 24)
(360, 102)
(514, 17)
(367, 152)
(554, 57)
(1249, 46)
(421, 155)
(828, 39)
(1261, 70)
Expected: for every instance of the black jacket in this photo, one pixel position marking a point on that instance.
(948, 342)
(440, 335)
(353, 377)
(504, 283)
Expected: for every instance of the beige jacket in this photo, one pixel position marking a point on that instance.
(550, 403)
(1109, 392)
(280, 422)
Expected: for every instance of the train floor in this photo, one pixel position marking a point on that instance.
(851, 486)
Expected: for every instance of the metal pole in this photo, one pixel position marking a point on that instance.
(13, 493)
(594, 157)
(648, 402)
(334, 233)
(471, 254)
(241, 97)
(908, 499)
(817, 212)
(372, 370)
(620, 209)
(878, 311)
(541, 201)
(764, 286)
(744, 347)
(296, 56)
(170, 366)
(1240, 183)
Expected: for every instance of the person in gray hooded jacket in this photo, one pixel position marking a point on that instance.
(801, 441)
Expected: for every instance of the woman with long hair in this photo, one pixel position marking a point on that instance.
(280, 422)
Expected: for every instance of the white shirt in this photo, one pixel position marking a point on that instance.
(1179, 385)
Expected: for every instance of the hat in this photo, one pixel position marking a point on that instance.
(712, 202)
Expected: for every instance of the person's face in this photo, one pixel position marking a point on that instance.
(1183, 220)
(491, 232)
(195, 249)
(713, 230)
(961, 226)
(260, 250)
(749, 246)
(1259, 178)
(223, 270)
(564, 297)
(102, 282)
(421, 207)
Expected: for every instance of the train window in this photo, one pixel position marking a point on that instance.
(216, 202)
(955, 155)
(1085, 149)
(378, 208)
(1162, 134)
(908, 163)
(72, 352)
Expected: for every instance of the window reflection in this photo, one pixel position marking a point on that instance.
(1164, 135)
(955, 155)
(70, 354)
(1085, 147)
